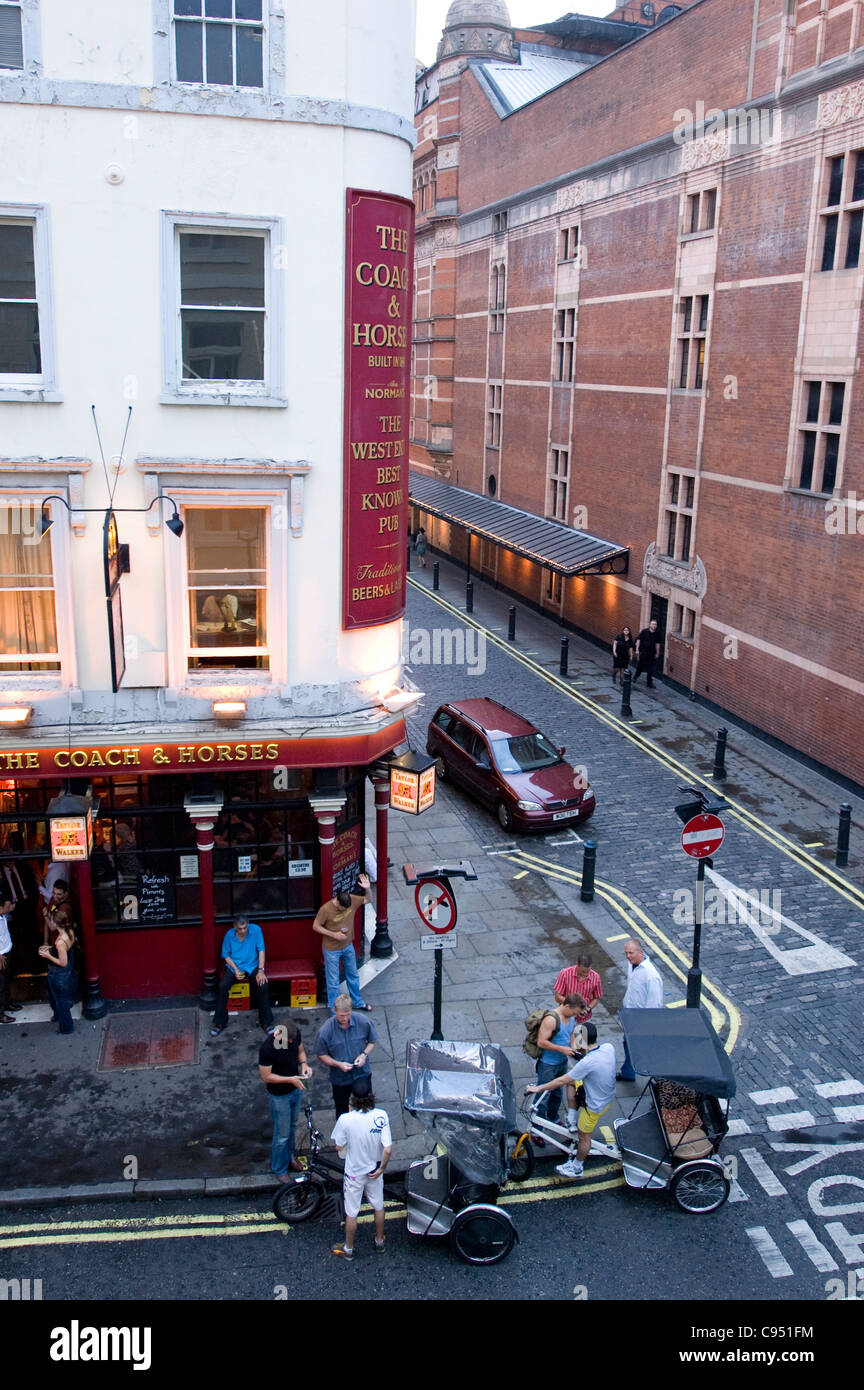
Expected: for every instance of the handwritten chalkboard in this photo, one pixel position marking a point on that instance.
(156, 898)
(348, 859)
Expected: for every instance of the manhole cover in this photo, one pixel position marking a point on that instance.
(164, 1038)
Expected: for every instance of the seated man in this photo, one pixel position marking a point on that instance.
(243, 951)
(596, 1072)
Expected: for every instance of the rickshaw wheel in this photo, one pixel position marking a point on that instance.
(299, 1201)
(700, 1188)
(482, 1235)
(522, 1166)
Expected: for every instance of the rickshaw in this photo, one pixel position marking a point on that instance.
(671, 1138)
(463, 1095)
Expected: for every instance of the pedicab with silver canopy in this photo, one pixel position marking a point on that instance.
(464, 1096)
(672, 1135)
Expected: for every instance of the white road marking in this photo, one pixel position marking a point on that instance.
(737, 1126)
(822, 1258)
(814, 1154)
(736, 1192)
(850, 1246)
(849, 1114)
(847, 1087)
(772, 1257)
(792, 1119)
(768, 1181)
(774, 1097)
(803, 960)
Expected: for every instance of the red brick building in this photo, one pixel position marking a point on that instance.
(638, 314)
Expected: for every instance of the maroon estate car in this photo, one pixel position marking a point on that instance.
(507, 763)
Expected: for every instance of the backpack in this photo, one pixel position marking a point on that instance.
(532, 1028)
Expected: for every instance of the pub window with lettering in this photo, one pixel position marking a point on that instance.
(227, 587)
(28, 617)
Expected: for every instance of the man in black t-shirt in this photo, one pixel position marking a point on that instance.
(283, 1068)
(646, 652)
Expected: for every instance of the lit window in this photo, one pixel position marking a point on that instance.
(28, 620)
(226, 553)
(219, 42)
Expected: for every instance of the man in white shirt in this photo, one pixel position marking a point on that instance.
(5, 951)
(596, 1073)
(363, 1136)
(644, 991)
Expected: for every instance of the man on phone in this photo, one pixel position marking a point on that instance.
(363, 1137)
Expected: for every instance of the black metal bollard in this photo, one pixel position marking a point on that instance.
(511, 624)
(626, 683)
(435, 572)
(565, 654)
(720, 755)
(469, 596)
(842, 857)
(408, 558)
(589, 862)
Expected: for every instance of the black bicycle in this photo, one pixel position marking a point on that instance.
(304, 1196)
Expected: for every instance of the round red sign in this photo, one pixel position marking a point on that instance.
(702, 836)
(436, 905)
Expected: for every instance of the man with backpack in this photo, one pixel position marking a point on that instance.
(550, 1042)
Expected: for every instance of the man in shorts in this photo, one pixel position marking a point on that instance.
(596, 1072)
(363, 1136)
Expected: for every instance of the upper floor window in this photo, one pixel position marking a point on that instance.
(499, 222)
(681, 489)
(20, 348)
(28, 618)
(700, 211)
(493, 417)
(220, 42)
(692, 329)
(11, 37)
(227, 585)
(559, 466)
(497, 298)
(819, 435)
(842, 212)
(565, 345)
(568, 243)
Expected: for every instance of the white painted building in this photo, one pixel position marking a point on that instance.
(173, 238)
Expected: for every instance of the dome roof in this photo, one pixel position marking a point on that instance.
(478, 12)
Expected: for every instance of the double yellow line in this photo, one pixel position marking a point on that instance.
(850, 891)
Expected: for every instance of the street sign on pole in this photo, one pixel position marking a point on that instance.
(434, 900)
(439, 943)
(436, 905)
(702, 836)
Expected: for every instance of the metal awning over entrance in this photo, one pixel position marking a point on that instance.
(559, 548)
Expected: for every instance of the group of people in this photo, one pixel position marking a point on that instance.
(567, 1036)
(57, 951)
(644, 648)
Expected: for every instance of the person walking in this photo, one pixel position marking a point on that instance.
(622, 653)
(582, 980)
(334, 922)
(647, 644)
(243, 953)
(555, 1038)
(283, 1068)
(62, 982)
(363, 1135)
(344, 1044)
(420, 547)
(644, 991)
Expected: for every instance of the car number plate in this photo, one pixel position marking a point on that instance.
(565, 815)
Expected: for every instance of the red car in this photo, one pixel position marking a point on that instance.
(509, 765)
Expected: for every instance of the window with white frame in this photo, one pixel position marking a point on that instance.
(219, 42)
(700, 211)
(11, 36)
(227, 587)
(222, 322)
(28, 613)
(20, 344)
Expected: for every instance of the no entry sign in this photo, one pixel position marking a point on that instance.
(702, 836)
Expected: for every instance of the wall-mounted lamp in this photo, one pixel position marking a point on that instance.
(16, 715)
(174, 523)
(229, 709)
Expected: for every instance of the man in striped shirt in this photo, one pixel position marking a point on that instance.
(579, 979)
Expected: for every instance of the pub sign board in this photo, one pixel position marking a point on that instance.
(379, 274)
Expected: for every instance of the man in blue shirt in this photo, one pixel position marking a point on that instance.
(344, 1043)
(243, 952)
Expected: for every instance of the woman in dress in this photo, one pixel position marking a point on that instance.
(622, 651)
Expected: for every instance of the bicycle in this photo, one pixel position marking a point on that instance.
(304, 1196)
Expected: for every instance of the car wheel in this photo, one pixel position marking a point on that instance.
(299, 1201)
(700, 1188)
(505, 816)
(483, 1235)
(442, 771)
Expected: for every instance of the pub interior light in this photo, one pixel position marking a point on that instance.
(15, 714)
(229, 709)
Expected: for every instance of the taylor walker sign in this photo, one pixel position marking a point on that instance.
(379, 258)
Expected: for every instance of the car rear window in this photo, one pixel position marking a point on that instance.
(525, 753)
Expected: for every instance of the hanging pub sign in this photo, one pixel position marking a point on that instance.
(116, 562)
(70, 825)
(379, 259)
(412, 783)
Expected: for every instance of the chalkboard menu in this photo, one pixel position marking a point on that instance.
(156, 898)
(348, 858)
